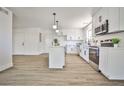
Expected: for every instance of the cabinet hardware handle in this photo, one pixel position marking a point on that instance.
(23, 44)
(40, 37)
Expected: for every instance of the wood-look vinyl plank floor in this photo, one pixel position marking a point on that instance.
(33, 71)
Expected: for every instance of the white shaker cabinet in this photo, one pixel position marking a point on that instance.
(103, 63)
(75, 37)
(99, 18)
(94, 25)
(121, 18)
(103, 13)
(111, 62)
(114, 15)
(113, 19)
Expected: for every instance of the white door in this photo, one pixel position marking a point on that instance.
(31, 43)
(19, 43)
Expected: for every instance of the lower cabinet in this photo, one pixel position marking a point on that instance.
(56, 57)
(103, 61)
(84, 53)
(111, 63)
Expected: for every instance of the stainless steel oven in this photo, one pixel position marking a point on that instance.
(94, 56)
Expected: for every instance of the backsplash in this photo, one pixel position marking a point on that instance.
(110, 36)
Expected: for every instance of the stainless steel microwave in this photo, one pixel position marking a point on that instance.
(102, 29)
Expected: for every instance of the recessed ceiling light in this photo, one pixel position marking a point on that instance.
(57, 31)
(54, 26)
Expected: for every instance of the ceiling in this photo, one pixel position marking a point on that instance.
(68, 17)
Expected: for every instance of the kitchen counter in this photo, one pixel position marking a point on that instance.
(57, 57)
(112, 47)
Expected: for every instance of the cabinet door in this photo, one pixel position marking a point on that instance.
(116, 63)
(102, 15)
(31, 42)
(94, 25)
(103, 61)
(113, 16)
(121, 18)
(18, 43)
(99, 18)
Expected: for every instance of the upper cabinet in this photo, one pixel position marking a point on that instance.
(74, 37)
(121, 18)
(113, 19)
(114, 15)
(99, 18)
(73, 34)
(94, 24)
(102, 15)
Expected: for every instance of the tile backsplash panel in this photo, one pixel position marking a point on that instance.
(110, 36)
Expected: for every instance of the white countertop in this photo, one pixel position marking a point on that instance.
(113, 47)
(57, 46)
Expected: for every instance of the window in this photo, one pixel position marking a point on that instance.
(89, 33)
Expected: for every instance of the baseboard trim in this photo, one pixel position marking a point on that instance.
(7, 66)
(32, 53)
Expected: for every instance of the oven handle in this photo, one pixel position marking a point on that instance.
(97, 54)
(97, 51)
(94, 48)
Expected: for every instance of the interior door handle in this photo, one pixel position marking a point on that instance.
(23, 44)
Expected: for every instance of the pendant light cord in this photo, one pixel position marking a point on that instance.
(57, 24)
(54, 14)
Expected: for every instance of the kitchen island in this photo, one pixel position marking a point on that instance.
(57, 57)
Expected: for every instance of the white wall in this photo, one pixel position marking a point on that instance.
(49, 35)
(5, 40)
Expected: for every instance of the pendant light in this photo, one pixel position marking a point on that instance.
(57, 30)
(54, 25)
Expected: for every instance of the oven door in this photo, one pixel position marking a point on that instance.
(94, 55)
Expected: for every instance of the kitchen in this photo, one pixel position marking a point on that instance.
(88, 42)
(105, 49)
